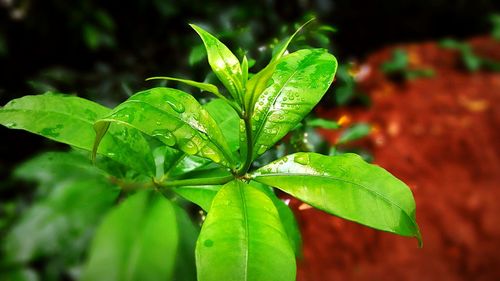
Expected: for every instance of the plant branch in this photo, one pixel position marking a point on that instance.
(199, 181)
(249, 145)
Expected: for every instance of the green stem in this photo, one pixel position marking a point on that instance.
(249, 149)
(200, 181)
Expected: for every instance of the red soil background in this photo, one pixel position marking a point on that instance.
(441, 136)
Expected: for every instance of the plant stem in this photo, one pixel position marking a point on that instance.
(249, 145)
(199, 181)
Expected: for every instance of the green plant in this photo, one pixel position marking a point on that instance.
(495, 28)
(162, 145)
(398, 67)
(346, 91)
(471, 61)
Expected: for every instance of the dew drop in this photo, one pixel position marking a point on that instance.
(208, 243)
(262, 149)
(210, 153)
(190, 148)
(177, 107)
(165, 136)
(302, 159)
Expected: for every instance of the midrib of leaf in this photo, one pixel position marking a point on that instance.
(371, 191)
(247, 233)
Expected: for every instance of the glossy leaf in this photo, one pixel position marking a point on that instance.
(286, 216)
(244, 69)
(189, 163)
(69, 119)
(296, 86)
(166, 159)
(281, 48)
(227, 119)
(136, 241)
(242, 238)
(259, 82)
(176, 119)
(200, 85)
(223, 62)
(201, 195)
(345, 186)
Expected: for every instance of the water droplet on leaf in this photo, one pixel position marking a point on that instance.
(210, 153)
(177, 107)
(262, 149)
(165, 136)
(208, 243)
(190, 148)
(302, 159)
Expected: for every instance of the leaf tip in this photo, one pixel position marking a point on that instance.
(418, 235)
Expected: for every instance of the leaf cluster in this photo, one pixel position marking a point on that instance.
(161, 145)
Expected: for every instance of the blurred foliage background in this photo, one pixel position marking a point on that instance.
(103, 50)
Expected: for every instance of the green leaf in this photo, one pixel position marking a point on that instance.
(280, 49)
(495, 22)
(69, 119)
(202, 86)
(355, 132)
(197, 54)
(74, 196)
(166, 159)
(176, 119)
(66, 119)
(256, 85)
(188, 233)
(201, 195)
(242, 238)
(223, 62)
(136, 241)
(345, 186)
(323, 123)
(286, 216)
(398, 62)
(227, 119)
(297, 85)
(244, 68)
